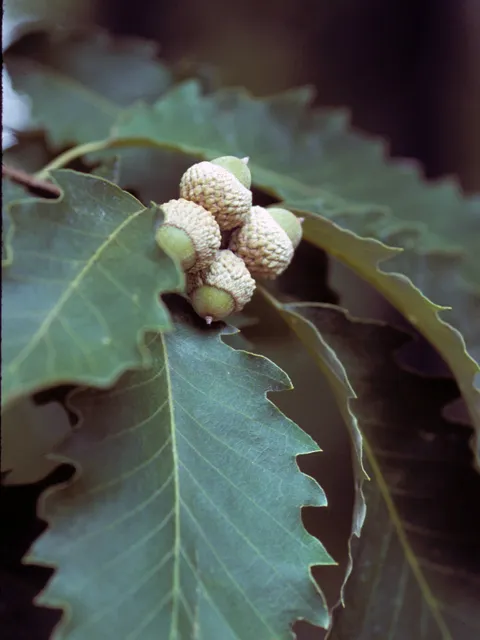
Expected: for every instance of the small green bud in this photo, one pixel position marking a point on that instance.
(289, 223)
(178, 244)
(237, 166)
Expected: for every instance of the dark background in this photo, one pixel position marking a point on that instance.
(408, 69)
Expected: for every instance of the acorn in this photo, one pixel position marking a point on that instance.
(237, 166)
(219, 191)
(263, 245)
(223, 288)
(189, 234)
(289, 223)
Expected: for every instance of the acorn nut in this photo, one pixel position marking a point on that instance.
(289, 223)
(188, 233)
(237, 166)
(223, 288)
(263, 245)
(219, 191)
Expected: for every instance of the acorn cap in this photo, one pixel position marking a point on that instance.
(263, 245)
(223, 288)
(200, 228)
(217, 190)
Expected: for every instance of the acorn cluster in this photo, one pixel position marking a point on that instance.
(223, 242)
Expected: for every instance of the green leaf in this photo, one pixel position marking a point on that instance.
(332, 368)
(416, 564)
(79, 83)
(192, 471)
(83, 287)
(152, 173)
(29, 433)
(312, 155)
(334, 371)
(365, 255)
(315, 163)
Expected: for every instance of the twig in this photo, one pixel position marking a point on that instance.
(81, 150)
(25, 179)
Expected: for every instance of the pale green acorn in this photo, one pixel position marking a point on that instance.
(237, 166)
(219, 191)
(189, 234)
(263, 245)
(223, 288)
(289, 223)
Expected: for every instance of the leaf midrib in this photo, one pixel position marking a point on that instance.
(410, 556)
(176, 490)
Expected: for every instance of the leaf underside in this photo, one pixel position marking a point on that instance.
(333, 369)
(415, 566)
(368, 257)
(83, 286)
(194, 476)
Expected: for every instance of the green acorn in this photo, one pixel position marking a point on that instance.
(237, 166)
(289, 223)
(223, 288)
(189, 234)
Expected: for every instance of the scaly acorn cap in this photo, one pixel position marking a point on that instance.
(223, 288)
(263, 245)
(237, 166)
(289, 223)
(218, 191)
(189, 233)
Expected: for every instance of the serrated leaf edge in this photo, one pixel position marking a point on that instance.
(10, 397)
(31, 558)
(385, 252)
(361, 475)
(378, 477)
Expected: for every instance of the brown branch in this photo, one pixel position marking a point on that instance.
(26, 180)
